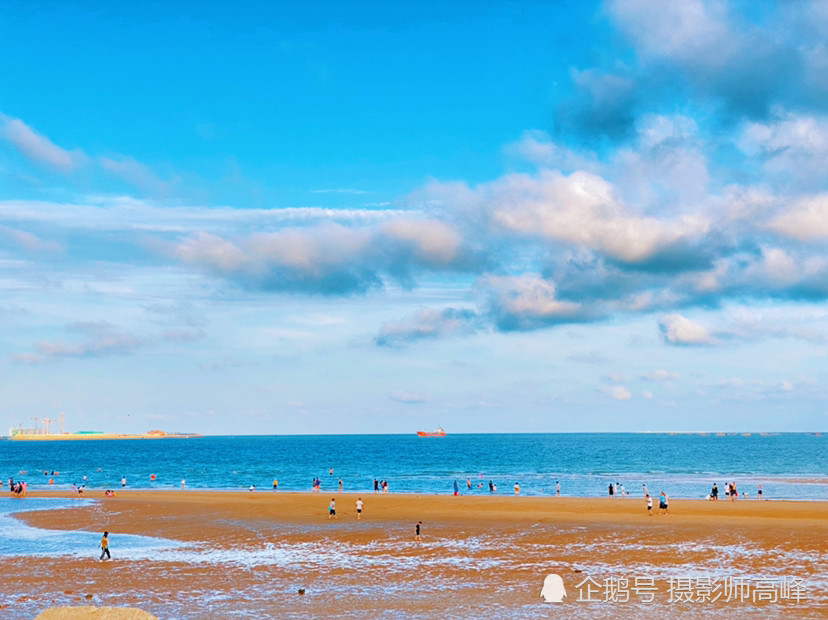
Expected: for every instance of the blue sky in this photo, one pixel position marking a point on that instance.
(361, 217)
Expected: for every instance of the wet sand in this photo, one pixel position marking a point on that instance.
(481, 556)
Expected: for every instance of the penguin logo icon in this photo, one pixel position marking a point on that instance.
(553, 590)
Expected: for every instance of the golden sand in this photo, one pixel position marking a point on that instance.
(481, 556)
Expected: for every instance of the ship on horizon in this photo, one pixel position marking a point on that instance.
(437, 432)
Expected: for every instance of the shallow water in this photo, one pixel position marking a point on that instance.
(788, 466)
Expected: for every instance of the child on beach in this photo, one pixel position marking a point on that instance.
(105, 547)
(332, 509)
(359, 508)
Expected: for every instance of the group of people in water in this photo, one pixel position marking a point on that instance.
(17, 488)
(731, 492)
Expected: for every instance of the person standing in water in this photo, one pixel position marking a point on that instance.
(417, 537)
(105, 547)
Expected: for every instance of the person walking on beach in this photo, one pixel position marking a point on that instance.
(714, 493)
(417, 537)
(332, 509)
(105, 547)
(662, 504)
(649, 505)
(359, 508)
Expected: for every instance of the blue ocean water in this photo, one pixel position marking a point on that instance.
(788, 466)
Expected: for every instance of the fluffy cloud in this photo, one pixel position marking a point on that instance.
(805, 220)
(677, 329)
(618, 392)
(528, 302)
(331, 258)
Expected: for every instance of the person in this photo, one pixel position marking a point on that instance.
(468, 483)
(359, 508)
(649, 505)
(385, 486)
(491, 487)
(646, 492)
(332, 509)
(517, 489)
(456, 489)
(734, 493)
(252, 487)
(714, 493)
(183, 482)
(275, 485)
(123, 482)
(376, 485)
(622, 491)
(557, 488)
(340, 485)
(759, 492)
(662, 504)
(105, 547)
(417, 537)
(611, 492)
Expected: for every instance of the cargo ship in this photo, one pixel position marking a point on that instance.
(437, 432)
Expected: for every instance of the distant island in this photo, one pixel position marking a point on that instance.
(45, 434)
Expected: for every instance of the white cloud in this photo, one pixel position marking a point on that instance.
(806, 220)
(39, 148)
(523, 302)
(661, 375)
(677, 329)
(618, 392)
(582, 209)
(429, 323)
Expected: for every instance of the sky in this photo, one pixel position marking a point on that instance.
(373, 217)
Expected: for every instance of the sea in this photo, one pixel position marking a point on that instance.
(787, 466)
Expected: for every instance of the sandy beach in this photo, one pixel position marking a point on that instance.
(249, 553)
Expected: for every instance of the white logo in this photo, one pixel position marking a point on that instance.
(553, 590)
